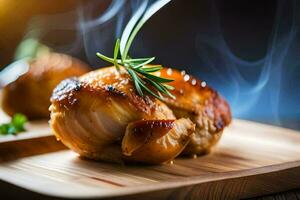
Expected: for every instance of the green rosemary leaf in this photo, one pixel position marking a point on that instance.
(152, 93)
(138, 84)
(170, 94)
(103, 57)
(161, 88)
(116, 53)
(143, 63)
(153, 77)
(136, 81)
(153, 68)
(138, 88)
(133, 60)
(169, 87)
(157, 86)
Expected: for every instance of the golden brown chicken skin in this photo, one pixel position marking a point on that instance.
(31, 92)
(101, 116)
(203, 105)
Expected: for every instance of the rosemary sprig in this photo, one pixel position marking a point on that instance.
(138, 68)
(141, 74)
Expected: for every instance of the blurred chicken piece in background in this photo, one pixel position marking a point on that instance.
(30, 93)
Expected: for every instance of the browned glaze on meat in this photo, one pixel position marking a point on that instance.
(156, 141)
(144, 131)
(203, 105)
(100, 116)
(31, 92)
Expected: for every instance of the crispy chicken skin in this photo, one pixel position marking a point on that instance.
(200, 103)
(31, 92)
(100, 116)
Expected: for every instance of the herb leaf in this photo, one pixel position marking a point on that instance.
(116, 52)
(153, 68)
(15, 126)
(141, 64)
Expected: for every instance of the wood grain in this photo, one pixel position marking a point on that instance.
(251, 160)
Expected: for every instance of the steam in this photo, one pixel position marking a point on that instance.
(100, 32)
(263, 96)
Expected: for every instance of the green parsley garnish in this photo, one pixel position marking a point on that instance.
(137, 68)
(16, 125)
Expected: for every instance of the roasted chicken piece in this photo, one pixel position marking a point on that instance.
(30, 93)
(101, 116)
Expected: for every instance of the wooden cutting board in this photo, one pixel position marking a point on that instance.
(252, 159)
